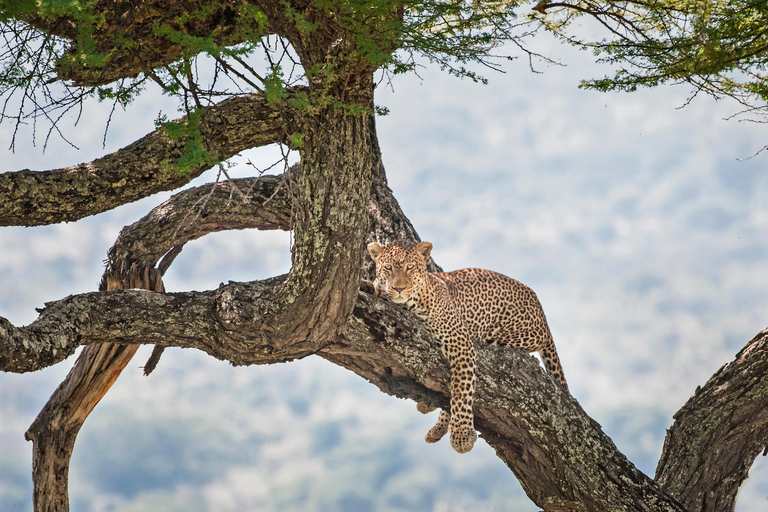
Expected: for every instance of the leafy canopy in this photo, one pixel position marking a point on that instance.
(720, 47)
(222, 48)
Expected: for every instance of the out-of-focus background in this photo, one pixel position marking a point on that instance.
(640, 225)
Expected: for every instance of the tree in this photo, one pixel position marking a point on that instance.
(334, 202)
(718, 48)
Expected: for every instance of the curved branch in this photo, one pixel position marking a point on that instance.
(718, 433)
(134, 172)
(195, 212)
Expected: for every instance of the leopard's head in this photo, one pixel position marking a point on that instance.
(401, 267)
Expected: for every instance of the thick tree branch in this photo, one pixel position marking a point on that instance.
(226, 323)
(136, 171)
(533, 424)
(138, 22)
(718, 434)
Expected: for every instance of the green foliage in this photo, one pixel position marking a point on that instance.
(298, 18)
(454, 33)
(296, 140)
(368, 34)
(274, 86)
(194, 154)
(120, 93)
(720, 47)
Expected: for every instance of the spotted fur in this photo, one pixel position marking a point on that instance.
(460, 307)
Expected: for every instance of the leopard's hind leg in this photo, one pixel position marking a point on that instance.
(425, 408)
(437, 432)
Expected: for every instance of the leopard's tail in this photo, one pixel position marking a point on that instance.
(552, 361)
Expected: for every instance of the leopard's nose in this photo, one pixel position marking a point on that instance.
(398, 290)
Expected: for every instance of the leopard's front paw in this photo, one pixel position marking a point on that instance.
(463, 438)
(424, 408)
(368, 287)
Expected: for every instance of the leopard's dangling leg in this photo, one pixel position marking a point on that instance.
(461, 355)
(437, 432)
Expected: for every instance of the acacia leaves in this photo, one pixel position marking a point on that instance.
(718, 46)
(454, 33)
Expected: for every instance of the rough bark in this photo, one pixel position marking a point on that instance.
(139, 170)
(718, 433)
(331, 192)
(137, 22)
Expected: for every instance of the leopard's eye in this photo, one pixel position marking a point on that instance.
(388, 267)
(409, 267)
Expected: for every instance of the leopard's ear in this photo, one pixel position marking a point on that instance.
(375, 250)
(423, 249)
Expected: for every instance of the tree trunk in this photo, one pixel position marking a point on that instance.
(330, 192)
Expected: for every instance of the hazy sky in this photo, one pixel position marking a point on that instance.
(635, 222)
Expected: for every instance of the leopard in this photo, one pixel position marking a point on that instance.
(458, 308)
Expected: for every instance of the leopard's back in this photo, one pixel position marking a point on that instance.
(497, 309)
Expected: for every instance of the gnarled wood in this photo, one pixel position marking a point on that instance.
(718, 433)
(55, 429)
